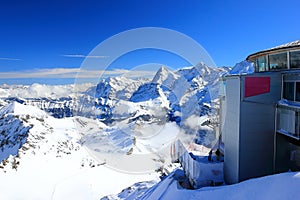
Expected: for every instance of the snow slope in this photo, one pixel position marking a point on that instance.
(279, 186)
(52, 164)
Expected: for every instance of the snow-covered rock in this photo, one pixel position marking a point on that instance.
(117, 87)
(243, 67)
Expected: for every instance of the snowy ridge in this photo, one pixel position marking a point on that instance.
(15, 127)
(243, 67)
(34, 125)
(165, 77)
(117, 88)
(183, 88)
(13, 134)
(179, 91)
(40, 138)
(58, 100)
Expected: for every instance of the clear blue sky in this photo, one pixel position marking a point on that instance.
(35, 34)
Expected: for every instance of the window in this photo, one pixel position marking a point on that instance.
(298, 91)
(289, 91)
(295, 59)
(255, 65)
(297, 124)
(278, 61)
(262, 64)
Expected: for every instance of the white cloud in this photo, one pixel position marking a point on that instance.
(82, 56)
(10, 59)
(74, 73)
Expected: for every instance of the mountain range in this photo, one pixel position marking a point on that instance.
(119, 116)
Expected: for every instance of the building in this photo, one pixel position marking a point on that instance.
(260, 115)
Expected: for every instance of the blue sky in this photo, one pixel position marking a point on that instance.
(50, 35)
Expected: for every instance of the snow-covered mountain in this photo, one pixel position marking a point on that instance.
(183, 92)
(57, 100)
(27, 129)
(44, 129)
(109, 91)
(117, 87)
(179, 96)
(184, 96)
(243, 67)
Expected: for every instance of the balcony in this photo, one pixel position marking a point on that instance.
(288, 120)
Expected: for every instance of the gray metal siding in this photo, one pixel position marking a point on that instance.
(282, 163)
(257, 140)
(231, 130)
(268, 98)
(257, 130)
(249, 129)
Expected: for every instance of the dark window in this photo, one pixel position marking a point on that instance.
(262, 64)
(297, 124)
(255, 65)
(278, 61)
(295, 59)
(297, 91)
(289, 90)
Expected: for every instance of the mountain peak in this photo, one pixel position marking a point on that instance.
(163, 68)
(164, 76)
(243, 67)
(163, 71)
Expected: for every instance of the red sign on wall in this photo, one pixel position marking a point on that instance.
(256, 86)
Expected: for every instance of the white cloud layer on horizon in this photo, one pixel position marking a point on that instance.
(10, 59)
(75, 73)
(82, 56)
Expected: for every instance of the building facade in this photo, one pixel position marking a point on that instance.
(260, 115)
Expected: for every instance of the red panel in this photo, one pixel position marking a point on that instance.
(256, 85)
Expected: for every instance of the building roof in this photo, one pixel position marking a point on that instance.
(293, 44)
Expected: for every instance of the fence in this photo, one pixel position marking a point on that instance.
(199, 170)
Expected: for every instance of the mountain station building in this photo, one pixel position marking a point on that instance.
(260, 115)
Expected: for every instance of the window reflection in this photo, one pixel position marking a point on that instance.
(289, 91)
(298, 91)
(278, 61)
(262, 63)
(295, 59)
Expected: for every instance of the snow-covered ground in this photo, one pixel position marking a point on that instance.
(56, 158)
(279, 186)
(53, 164)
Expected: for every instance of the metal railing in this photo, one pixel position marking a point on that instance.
(199, 173)
(288, 120)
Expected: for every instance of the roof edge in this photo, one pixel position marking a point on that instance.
(289, 45)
